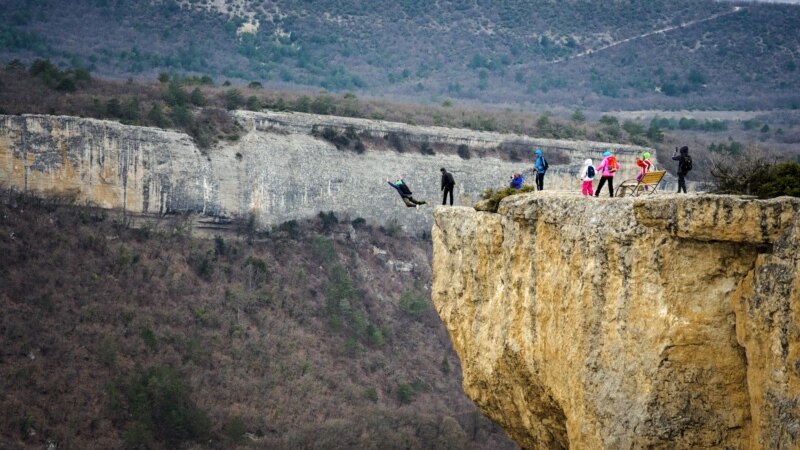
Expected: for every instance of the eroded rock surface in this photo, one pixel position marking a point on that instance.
(277, 171)
(663, 322)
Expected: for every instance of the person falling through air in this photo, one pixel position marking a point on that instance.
(405, 192)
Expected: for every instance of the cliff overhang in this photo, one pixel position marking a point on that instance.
(662, 322)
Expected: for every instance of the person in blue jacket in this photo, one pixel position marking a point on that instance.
(405, 192)
(540, 166)
(517, 180)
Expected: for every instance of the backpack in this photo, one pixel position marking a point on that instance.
(613, 165)
(545, 165)
(590, 172)
(685, 164)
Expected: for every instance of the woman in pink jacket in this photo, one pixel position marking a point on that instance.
(606, 169)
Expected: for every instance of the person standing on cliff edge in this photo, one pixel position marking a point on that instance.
(447, 185)
(540, 166)
(607, 168)
(684, 166)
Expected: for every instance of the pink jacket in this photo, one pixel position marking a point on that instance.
(603, 168)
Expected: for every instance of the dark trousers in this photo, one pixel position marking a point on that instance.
(610, 186)
(409, 201)
(539, 181)
(681, 182)
(447, 189)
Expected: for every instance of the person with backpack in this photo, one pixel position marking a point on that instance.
(540, 166)
(447, 185)
(587, 176)
(405, 192)
(607, 168)
(684, 166)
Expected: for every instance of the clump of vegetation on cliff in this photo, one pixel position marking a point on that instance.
(492, 197)
(115, 336)
(754, 173)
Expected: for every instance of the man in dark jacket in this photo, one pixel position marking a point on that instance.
(447, 185)
(405, 192)
(684, 166)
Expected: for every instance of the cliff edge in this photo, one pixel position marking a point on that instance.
(666, 322)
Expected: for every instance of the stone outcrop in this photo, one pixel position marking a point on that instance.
(663, 322)
(277, 171)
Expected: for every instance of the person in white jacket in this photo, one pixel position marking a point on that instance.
(587, 175)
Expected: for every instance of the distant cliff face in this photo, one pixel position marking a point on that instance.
(668, 322)
(276, 172)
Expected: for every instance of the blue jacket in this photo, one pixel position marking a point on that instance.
(539, 164)
(516, 182)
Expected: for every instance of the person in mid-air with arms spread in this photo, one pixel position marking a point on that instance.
(404, 191)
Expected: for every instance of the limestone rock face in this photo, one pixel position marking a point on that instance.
(664, 322)
(277, 171)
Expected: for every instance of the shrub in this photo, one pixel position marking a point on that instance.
(290, 227)
(463, 151)
(233, 99)
(359, 147)
(784, 180)
(371, 393)
(149, 338)
(157, 406)
(323, 249)
(235, 430)
(752, 173)
(426, 149)
(405, 393)
(494, 196)
(328, 220)
(412, 304)
(395, 141)
(197, 98)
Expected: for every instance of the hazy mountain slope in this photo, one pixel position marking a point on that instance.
(490, 52)
(319, 336)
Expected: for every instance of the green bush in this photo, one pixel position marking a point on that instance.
(754, 174)
(405, 393)
(413, 304)
(784, 180)
(323, 250)
(156, 405)
(149, 338)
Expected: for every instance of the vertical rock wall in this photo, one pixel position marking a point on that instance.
(668, 322)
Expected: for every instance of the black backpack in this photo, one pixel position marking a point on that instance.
(685, 164)
(590, 172)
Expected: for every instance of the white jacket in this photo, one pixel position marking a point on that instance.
(585, 172)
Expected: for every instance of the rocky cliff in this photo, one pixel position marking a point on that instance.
(665, 322)
(278, 170)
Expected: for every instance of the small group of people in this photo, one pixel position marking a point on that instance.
(540, 167)
(448, 183)
(607, 168)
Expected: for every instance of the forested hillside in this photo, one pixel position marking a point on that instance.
(660, 54)
(319, 335)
